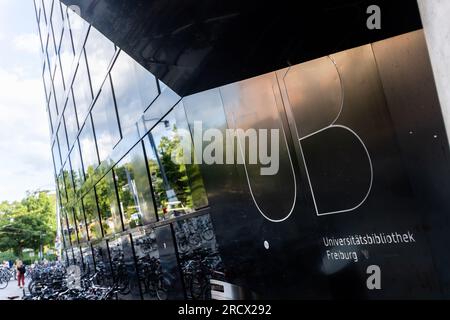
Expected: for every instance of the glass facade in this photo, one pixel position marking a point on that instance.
(125, 207)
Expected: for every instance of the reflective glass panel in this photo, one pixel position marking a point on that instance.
(72, 226)
(88, 149)
(88, 260)
(62, 189)
(71, 121)
(92, 217)
(134, 88)
(58, 83)
(48, 8)
(103, 264)
(148, 264)
(78, 29)
(56, 157)
(51, 50)
(99, 51)
(133, 187)
(82, 90)
(81, 223)
(198, 250)
(53, 110)
(106, 126)
(63, 146)
(175, 185)
(47, 81)
(64, 228)
(67, 172)
(66, 54)
(57, 23)
(77, 167)
(108, 205)
(124, 269)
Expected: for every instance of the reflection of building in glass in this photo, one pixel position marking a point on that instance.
(108, 179)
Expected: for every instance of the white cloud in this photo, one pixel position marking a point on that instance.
(25, 158)
(27, 42)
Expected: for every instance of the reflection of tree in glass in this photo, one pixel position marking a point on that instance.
(176, 173)
(105, 195)
(69, 186)
(91, 213)
(127, 195)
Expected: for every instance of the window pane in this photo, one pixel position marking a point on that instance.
(71, 121)
(82, 90)
(56, 157)
(178, 188)
(92, 217)
(107, 203)
(51, 50)
(99, 51)
(88, 260)
(48, 8)
(53, 110)
(58, 84)
(63, 146)
(106, 126)
(47, 81)
(57, 23)
(66, 54)
(77, 167)
(78, 28)
(62, 190)
(81, 224)
(134, 88)
(88, 149)
(133, 187)
(64, 228)
(72, 227)
(70, 191)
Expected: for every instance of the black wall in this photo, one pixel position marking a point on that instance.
(194, 45)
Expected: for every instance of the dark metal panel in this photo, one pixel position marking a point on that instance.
(169, 263)
(409, 87)
(194, 45)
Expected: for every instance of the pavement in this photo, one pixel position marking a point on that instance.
(12, 290)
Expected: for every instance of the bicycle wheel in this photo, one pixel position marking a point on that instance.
(161, 290)
(3, 282)
(208, 234)
(183, 246)
(197, 288)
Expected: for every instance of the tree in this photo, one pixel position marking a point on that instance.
(29, 223)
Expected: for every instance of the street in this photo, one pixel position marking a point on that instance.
(12, 290)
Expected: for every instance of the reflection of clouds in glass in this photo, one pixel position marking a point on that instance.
(87, 145)
(81, 90)
(134, 87)
(100, 51)
(58, 84)
(63, 147)
(77, 26)
(77, 168)
(56, 157)
(71, 121)
(57, 21)
(105, 122)
(66, 54)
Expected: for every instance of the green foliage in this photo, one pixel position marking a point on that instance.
(28, 223)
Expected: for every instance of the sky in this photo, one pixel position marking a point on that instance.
(25, 154)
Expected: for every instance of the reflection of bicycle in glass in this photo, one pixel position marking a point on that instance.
(152, 278)
(198, 269)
